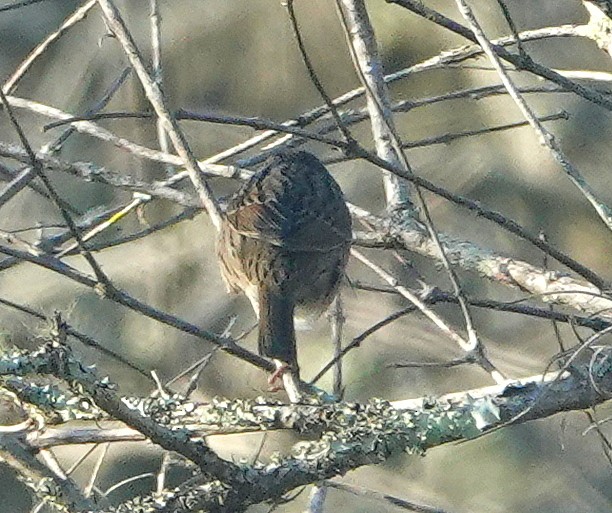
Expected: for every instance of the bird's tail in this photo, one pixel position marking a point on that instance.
(276, 328)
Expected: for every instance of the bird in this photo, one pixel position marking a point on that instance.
(284, 241)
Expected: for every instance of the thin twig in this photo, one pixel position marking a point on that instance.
(360, 35)
(78, 15)
(88, 490)
(156, 98)
(519, 61)
(546, 138)
(158, 74)
(313, 74)
(362, 46)
(51, 189)
(122, 298)
(356, 342)
(368, 493)
(27, 174)
(81, 337)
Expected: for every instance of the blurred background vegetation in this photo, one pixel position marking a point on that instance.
(240, 57)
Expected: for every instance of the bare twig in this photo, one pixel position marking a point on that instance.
(51, 189)
(96, 470)
(472, 350)
(389, 148)
(78, 15)
(368, 493)
(519, 61)
(156, 98)
(362, 46)
(546, 138)
(125, 299)
(158, 74)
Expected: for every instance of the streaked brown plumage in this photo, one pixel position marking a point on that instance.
(284, 242)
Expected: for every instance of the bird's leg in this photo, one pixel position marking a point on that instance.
(290, 378)
(281, 368)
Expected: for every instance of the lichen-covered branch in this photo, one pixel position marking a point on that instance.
(349, 435)
(56, 359)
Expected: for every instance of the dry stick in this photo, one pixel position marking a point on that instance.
(366, 61)
(436, 296)
(368, 493)
(441, 60)
(581, 74)
(88, 490)
(519, 61)
(160, 480)
(97, 131)
(73, 19)
(451, 137)
(81, 458)
(605, 443)
(92, 172)
(187, 214)
(126, 481)
(28, 174)
(598, 76)
(512, 272)
(313, 75)
(546, 138)
(8, 175)
(338, 320)
(471, 350)
(182, 114)
(10, 190)
(511, 25)
(600, 22)
(122, 298)
(49, 242)
(155, 97)
(49, 459)
(351, 117)
(356, 342)
(33, 161)
(84, 339)
(362, 43)
(14, 240)
(158, 74)
(136, 202)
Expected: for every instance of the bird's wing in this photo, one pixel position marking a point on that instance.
(295, 205)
